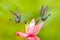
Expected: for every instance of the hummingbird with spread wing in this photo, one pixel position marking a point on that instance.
(17, 17)
(43, 14)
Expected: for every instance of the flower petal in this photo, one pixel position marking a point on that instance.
(38, 27)
(33, 38)
(32, 23)
(21, 34)
(27, 27)
(31, 27)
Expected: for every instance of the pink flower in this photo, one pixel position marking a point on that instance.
(31, 31)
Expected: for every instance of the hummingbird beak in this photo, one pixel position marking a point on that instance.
(48, 16)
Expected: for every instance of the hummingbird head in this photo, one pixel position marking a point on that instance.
(43, 19)
(17, 21)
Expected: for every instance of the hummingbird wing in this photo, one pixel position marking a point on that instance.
(14, 14)
(45, 11)
(18, 14)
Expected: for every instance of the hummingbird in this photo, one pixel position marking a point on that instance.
(17, 17)
(43, 14)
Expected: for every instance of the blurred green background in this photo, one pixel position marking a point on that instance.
(29, 9)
